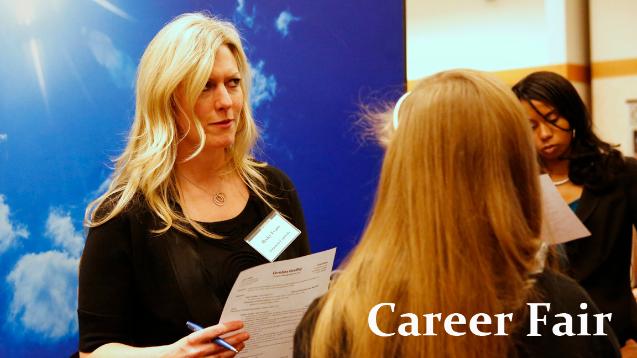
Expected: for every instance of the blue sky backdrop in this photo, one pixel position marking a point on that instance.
(66, 102)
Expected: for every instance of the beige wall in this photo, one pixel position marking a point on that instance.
(614, 57)
(592, 43)
(510, 38)
(484, 35)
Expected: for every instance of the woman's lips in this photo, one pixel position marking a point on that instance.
(549, 149)
(222, 124)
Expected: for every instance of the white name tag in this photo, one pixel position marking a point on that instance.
(272, 236)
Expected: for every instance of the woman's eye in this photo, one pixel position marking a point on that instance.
(208, 86)
(553, 119)
(533, 125)
(234, 82)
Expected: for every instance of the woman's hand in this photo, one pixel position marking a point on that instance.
(196, 344)
(199, 343)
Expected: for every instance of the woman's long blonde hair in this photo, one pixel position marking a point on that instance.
(454, 227)
(181, 55)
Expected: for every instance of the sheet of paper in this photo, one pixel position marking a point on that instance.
(271, 299)
(559, 222)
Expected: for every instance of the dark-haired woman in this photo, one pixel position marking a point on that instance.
(599, 185)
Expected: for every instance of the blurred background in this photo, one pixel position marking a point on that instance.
(590, 42)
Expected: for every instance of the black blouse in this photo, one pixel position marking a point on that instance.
(140, 288)
(601, 262)
(224, 259)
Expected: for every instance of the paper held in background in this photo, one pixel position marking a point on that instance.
(271, 299)
(559, 222)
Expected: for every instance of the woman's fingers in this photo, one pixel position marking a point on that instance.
(202, 340)
(207, 334)
(227, 354)
(235, 340)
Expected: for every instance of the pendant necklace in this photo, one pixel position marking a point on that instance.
(218, 198)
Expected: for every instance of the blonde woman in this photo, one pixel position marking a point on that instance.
(454, 229)
(166, 241)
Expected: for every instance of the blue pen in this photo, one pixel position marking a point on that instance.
(218, 341)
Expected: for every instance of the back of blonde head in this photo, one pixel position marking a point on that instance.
(454, 227)
(180, 56)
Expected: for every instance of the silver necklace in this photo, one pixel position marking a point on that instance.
(560, 182)
(218, 198)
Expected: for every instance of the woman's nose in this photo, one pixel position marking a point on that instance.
(545, 131)
(222, 98)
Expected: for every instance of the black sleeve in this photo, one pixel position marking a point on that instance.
(105, 285)
(289, 204)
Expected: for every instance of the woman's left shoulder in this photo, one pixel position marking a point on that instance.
(276, 178)
(628, 172)
(558, 285)
(630, 165)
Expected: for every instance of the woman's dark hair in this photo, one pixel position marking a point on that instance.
(593, 163)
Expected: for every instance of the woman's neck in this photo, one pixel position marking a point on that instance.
(557, 169)
(206, 163)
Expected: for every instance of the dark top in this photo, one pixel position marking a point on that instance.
(574, 205)
(562, 293)
(225, 259)
(601, 262)
(140, 288)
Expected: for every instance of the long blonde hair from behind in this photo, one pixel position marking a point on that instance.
(181, 55)
(454, 227)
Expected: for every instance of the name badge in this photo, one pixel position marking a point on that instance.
(272, 236)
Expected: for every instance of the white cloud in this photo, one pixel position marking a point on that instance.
(263, 85)
(282, 22)
(9, 232)
(241, 15)
(120, 66)
(44, 288)
(104, 186)
(112, 8)
(44, 285)
(60, 229)
(240, 6)
(3, 137)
